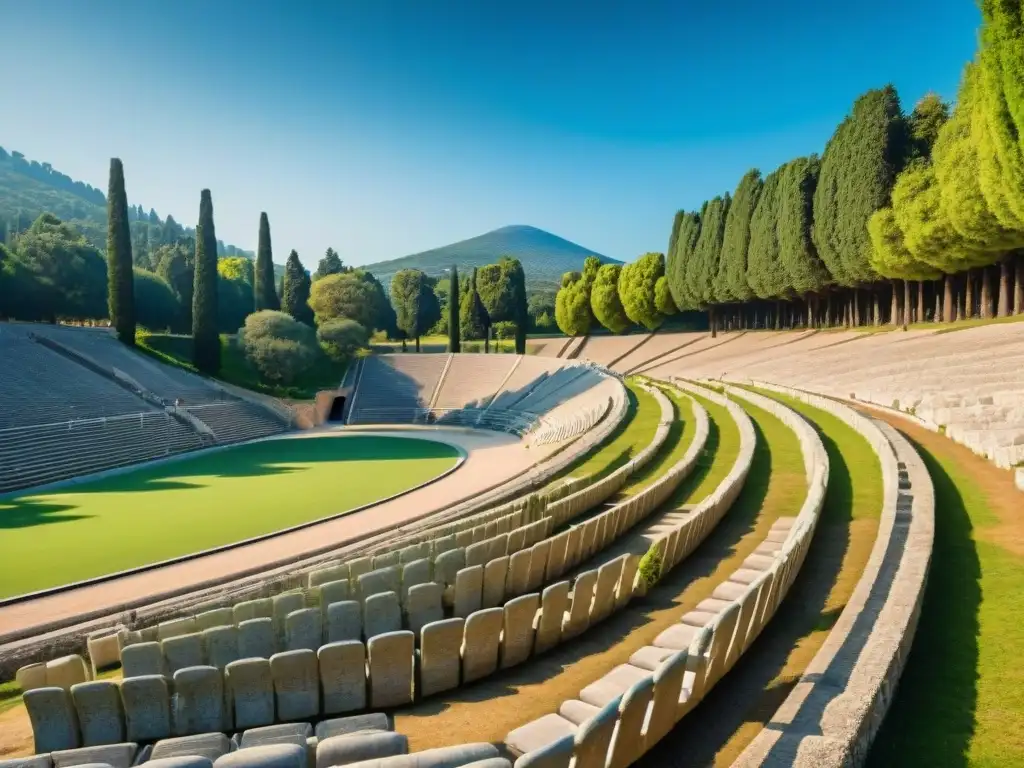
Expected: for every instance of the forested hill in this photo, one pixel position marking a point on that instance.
(545, 257)
(29, 188)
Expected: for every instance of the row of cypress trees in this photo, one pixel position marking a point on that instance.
(205, 337)
(902, 217)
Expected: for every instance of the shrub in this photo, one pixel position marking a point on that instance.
(504, 330)
(341, 338)
(277, 345)
(650, 566)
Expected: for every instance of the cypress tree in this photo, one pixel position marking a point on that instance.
(731, 282)
(263, 286)
(473, 320)
(795, 204)
(454, 342)
(605, 301)
(765, 273)
(678, 261)
(573, 312)
(120, 279)
(205, 340)
(858, 171)
(706, 254)
(295, 293)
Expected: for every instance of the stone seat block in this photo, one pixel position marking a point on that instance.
(713, 605)
(540, 733)
(650, 657)
(147, 707)
(142, 659)
(32, 761)
(184, 761)
(67, 671)
(610, 687)
(285, 733)
(355, 747)
(115, 755)
(268, 756)
(758, 562)
(460, 756)
(557, 754)
(576, 711)
(31, 676)
(209, 745)
(340, 726)
(54, 721)
(677, 637)
(768, 548)
(729, 590)
(745, 576)
(100, 712)
(783, 524)
(698, 618)
(777, 535)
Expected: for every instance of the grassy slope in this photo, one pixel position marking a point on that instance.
(126, 521)
(722, 726)
(635, 432)
(486, 711)
(680, 435)
(235, 369)
(960, 701)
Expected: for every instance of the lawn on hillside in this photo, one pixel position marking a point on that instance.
(174, 509)
(627, 440)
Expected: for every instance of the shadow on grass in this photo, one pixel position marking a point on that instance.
(931, 720)
(274, 457)
(668, 594)
(27, 513)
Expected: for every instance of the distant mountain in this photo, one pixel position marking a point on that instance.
(545, 257)
(29, 188)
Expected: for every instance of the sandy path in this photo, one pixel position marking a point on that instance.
(493, 458)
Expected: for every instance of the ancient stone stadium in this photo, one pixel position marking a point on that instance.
(746, 548)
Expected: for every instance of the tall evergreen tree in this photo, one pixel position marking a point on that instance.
(795, 208)
(678, 262)
(120, 279)
(765, 273)
(605, 301)
(330, 264)
(295, 296)
(473, 320)
(205, 340)
(266, 294)
(637, 283)
(731, 282)
(858, 171)
(454, 342)
(703, 268)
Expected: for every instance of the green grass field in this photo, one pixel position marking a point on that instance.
(174, 509)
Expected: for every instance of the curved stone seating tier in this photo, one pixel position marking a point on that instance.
(618, 717)
(361, 740)
(873, 635)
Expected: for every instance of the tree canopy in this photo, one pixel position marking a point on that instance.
(731, 280)
(702, 267)
(330, 264)
(120, 280)
(573, 312)
(416, 305)
(604, 299)
(266, 294)
(679, 260)
(295, 296)
(205, 339)
(637, 290)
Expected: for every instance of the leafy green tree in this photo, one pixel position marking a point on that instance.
(176, 266)
(158, 308)
(473, 319)
(454, 344)
(636, 285)
(416, 306)
(765, 273)
(205, 339)
(731, 281)
(679, 260)
(330, 264)
(67, 276)
(924, 123)
(295, 297)
(277, 345)
(120, 281)
(348, 295)
(794, 203)
(663, 300)
(857, 174)
(341, 338)
(573, 312)
(604, 299)
(266, 295)
(502, 288)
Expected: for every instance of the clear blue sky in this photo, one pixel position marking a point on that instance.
(383, 128)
